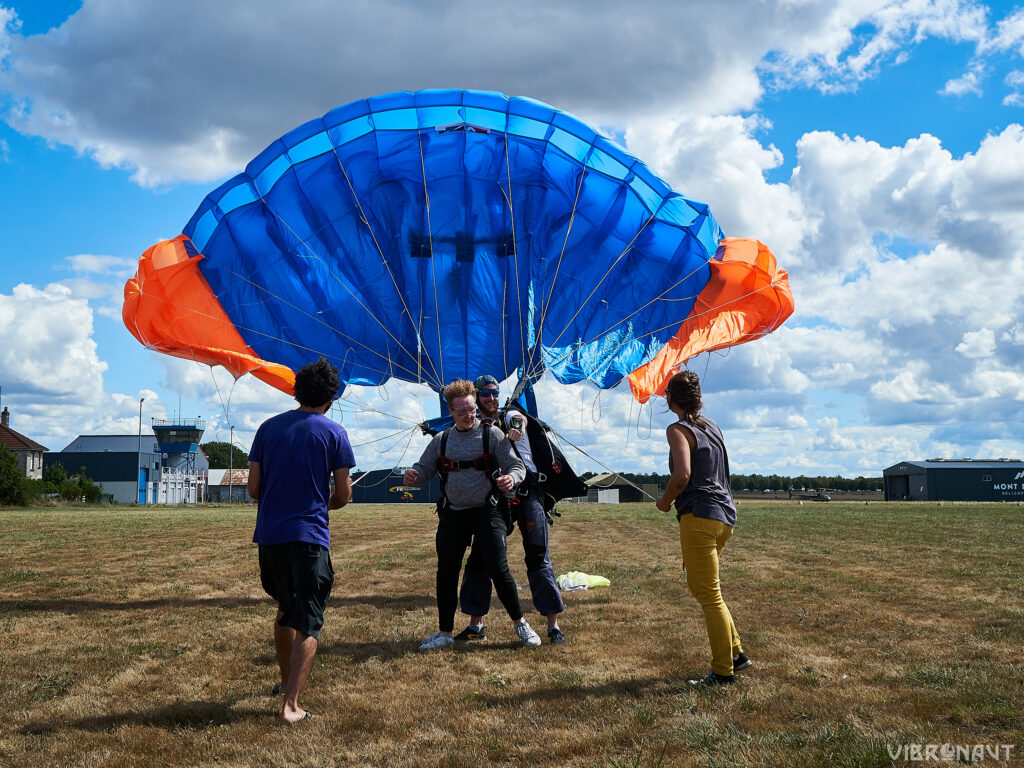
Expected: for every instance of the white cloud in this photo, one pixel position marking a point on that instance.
(144, 86)
(1015, 81)
(1014, 335)
(1009, 33)
(977, 344)
(721, 158)
(910, 385)
(89, 263)
(852, 40)
(831, 438)
(52, 375)
(969, 82)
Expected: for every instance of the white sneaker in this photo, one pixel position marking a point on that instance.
(440, 641)
(530, 638)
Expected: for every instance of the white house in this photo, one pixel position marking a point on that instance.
(28, 452)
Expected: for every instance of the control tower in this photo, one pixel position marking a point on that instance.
(179, 441)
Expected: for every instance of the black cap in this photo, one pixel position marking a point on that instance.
(485, 380)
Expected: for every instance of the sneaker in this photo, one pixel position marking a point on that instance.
(556, 637)
(740, 661)
(436, 641)
(472, 632)
(712, 680)
(530, 638)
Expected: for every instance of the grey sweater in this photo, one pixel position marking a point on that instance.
(469, 488)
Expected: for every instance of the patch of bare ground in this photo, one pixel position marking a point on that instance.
(140, 637)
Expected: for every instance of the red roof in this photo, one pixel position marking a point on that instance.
(17, 441)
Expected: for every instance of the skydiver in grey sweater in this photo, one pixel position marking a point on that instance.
(469, 509)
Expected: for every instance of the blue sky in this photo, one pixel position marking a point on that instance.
(875, 147)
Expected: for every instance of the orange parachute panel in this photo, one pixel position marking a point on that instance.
(169, 307)
(746, 297)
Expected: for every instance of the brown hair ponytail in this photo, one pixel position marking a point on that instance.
(683, 390)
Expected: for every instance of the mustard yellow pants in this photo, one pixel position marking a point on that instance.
(702, 541)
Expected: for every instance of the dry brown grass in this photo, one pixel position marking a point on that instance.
(141, 638)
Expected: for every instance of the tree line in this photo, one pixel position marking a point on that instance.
(220, 455)
(768, 482)
(16, 489)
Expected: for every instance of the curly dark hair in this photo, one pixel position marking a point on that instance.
(316, 383)
(683, 390)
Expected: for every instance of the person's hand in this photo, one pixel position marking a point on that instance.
(410, 477)
(505, 483)
(515, 434)
(663, 504)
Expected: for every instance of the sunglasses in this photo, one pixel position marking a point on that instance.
(487, 392)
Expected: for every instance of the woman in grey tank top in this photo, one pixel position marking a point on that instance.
(699, 489)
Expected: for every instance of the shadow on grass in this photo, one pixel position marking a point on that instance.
(631, 688)
(393, 649)
(73, 606)
(192, 715)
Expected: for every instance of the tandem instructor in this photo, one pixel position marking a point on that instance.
(293, 459)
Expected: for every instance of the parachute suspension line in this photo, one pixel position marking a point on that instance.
(330, 271)
(359, 404)
(614, 263)
(327, 325)
(225, 408)
(650, 420)
(515, 250)
(554, 279)
(363, 218)
(433, 267)
(595, 408)
(401, 432)
(321, 353)
(659, 297)
(610, 352)
(412, 433)
(220, 321)
(220, 397)
(504, 309)
(340, 282)
(629, 421)
(602, 464)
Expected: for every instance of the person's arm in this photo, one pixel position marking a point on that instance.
(681, 444)
(253, 484)
(516, 423)
(423, 471)
(342, 489)
(512, 468)
(517, 434)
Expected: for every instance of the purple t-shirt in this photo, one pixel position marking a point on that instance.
(298, 452)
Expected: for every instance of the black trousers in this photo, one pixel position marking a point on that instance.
(528, 513)
(457, 530)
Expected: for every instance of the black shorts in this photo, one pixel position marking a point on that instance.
(299, 576)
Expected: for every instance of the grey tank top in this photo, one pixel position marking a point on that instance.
(707, 494)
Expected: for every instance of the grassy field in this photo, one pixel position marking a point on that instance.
(140, 637)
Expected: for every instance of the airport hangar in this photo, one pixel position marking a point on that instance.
(955, 480)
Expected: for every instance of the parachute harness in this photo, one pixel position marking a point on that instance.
(486, 462)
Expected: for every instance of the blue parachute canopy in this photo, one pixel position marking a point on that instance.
(437, 235)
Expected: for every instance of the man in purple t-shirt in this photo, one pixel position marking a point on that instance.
(293, 458)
